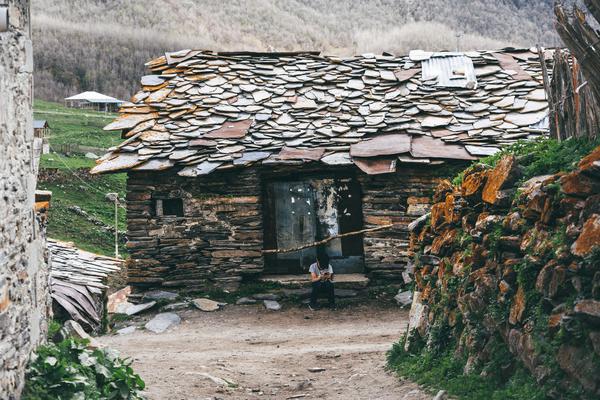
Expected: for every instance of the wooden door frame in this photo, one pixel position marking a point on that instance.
(268, 203)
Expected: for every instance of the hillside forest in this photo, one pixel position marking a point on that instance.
(72, 37)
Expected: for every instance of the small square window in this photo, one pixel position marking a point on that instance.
(169, 207)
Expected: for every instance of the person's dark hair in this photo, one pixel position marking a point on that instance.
(323, 259)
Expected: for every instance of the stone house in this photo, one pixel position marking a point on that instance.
(232, 154)
(24, 299)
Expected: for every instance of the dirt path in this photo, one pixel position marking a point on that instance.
(267, 355)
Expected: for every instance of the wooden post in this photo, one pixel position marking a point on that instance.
(116, 225)
(547, 86)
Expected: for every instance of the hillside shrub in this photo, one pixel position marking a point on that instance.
(542, 156)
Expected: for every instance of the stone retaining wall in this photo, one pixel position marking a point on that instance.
(513, 274)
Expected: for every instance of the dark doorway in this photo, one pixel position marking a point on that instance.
(300, 212)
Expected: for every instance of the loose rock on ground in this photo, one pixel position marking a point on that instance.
(206, 304)
(272, 305)
(163, 321)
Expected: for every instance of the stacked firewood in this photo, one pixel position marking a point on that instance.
(575, 85)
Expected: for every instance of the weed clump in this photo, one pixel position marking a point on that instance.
(69, 369)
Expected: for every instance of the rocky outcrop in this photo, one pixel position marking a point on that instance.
(514, 266)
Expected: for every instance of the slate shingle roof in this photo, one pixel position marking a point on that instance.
(202, 111)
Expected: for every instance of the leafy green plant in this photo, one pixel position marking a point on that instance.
(68, 370)
(53, 328)
(542, 156)
(458, 179)
(463, 239)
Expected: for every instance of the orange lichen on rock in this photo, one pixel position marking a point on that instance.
(504, 174)
(588, 238)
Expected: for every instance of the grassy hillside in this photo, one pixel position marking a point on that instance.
(72, 186)
(71, 125)
(103, 44)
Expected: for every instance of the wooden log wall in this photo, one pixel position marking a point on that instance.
(581, 37)
(575, 112)
(575, 88)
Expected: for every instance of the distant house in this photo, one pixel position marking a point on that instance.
(232, 154)
(41, 130)
(94, 100)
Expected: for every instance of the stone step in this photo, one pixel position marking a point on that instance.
(342, 281)
(304, 293)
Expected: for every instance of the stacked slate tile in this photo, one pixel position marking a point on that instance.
(78, 281)
(201, 111)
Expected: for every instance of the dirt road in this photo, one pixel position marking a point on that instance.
(267, 355)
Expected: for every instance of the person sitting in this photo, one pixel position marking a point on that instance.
(321, 277)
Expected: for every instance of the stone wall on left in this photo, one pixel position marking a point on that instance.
(24, 299)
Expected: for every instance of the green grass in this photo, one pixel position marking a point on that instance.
(71, 187)
(445, 371)
(75, 126)
(542, 156)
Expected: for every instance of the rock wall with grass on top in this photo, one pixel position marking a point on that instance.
(507, 273)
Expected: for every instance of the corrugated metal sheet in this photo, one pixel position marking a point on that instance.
(39, 124)
(450, 71)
